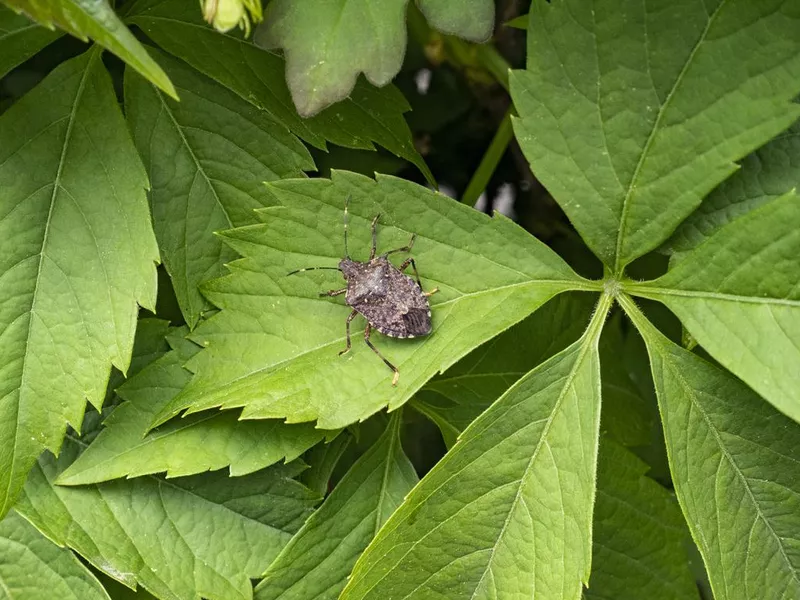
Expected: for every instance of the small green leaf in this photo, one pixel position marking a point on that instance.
(368, 116)
(20, 38)
(764, 176)
(509, 509)
(317, 560)
(97, 20)
(469, 19)
(201, 536)
(639, 538)
(737, 295)
(199, 443)
(520, 22)
(734, 467)
(77, 253)
(32, 567)
(328, 44)
(285, 362)
(455, 398)
(631, 112)
(208, 156)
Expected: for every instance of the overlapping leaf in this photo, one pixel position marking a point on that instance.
(32, 567)
(318, 559)
(737, 294)
(328, 45)
(187, 446)
(735, 469)
(97, 20)
(639, 538)
(77, 253)
(631, 112)
(186, 538)
(20, 38)
(368, 116)
(764, 176)
(274, 347)
(208, 156)
(456, 397)
(509, 509)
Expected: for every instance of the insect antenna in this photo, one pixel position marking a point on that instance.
(346, 205)
(312, 269)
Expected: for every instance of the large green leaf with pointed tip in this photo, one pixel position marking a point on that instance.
(182, 539)
(735, 470)
(186, 446)
(508, 510)
(318, 559)
(207, 156)
(77, 253)
(631, 112)
(20, 38)
(97, 20)
(32, 567)
(737, 294)
(367, 117)
(273, 348)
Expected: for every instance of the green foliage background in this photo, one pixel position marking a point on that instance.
(608, 405)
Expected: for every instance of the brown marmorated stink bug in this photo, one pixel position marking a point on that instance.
(390, 300)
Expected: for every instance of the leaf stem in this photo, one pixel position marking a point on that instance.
(490, 160)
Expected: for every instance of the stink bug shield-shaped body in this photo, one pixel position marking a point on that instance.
(390, 300)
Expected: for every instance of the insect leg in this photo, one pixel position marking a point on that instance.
(404, 266)
(333, 293)
(346, 205)
(376, 351)
(374, 228)
(312, 269)
(406, 248)
(350, 317)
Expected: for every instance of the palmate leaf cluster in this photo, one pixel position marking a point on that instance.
(237, 455)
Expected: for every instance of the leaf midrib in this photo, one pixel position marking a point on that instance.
(337, 341)
(655, 291)
(662, 110)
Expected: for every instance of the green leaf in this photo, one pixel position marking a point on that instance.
(78, 253)
(145, 532)
(470, 19)
(455, 398)
(328, 45)
(509, 509)
(639, 538)
(316, 562)
(20, 38)
(208, 156)
(322, 460)
(185, 447)
(764, 176)
(97, 20)
(285, 362)
(737, 295)
(631, 112)
(32, 567)
(734, 466)
(368, 116)
(520, 22)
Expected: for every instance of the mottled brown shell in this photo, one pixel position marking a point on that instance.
(391, 301)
